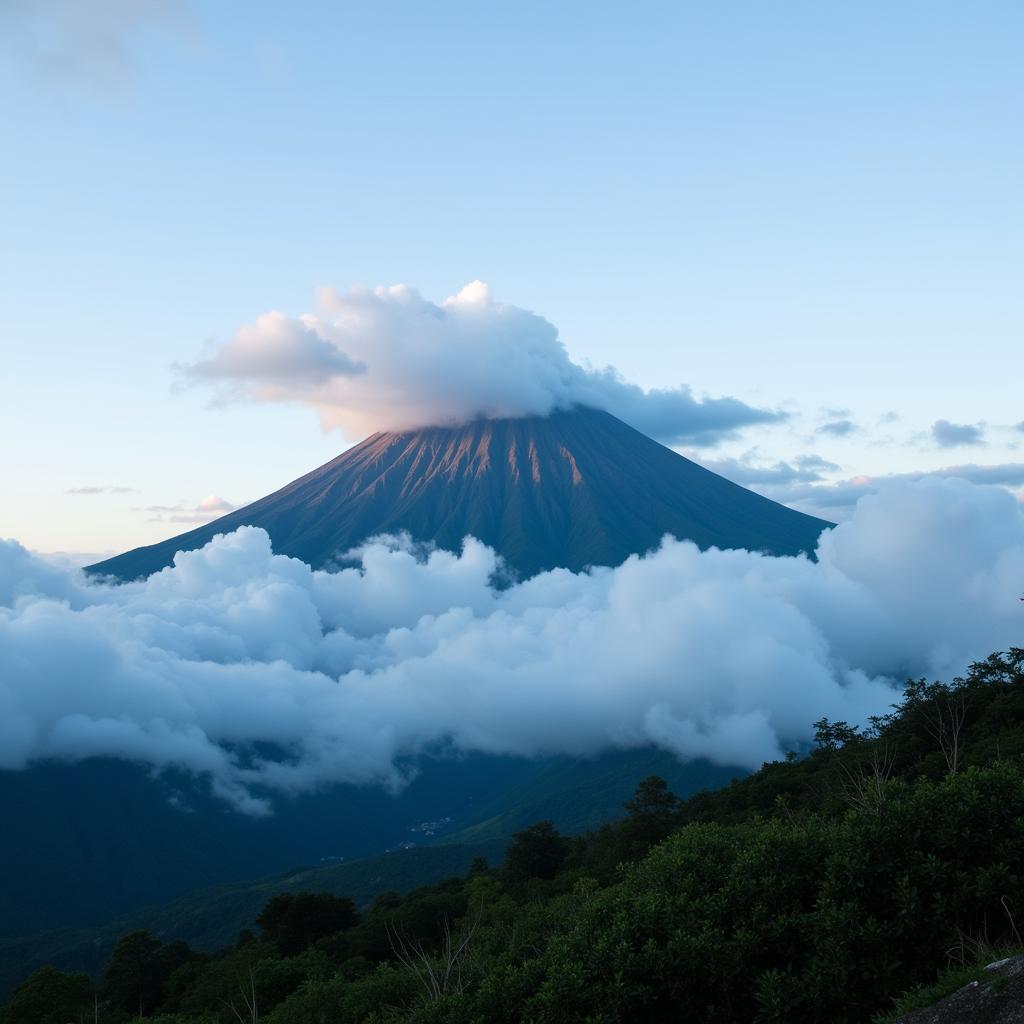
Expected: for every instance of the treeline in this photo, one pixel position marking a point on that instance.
(819, 888)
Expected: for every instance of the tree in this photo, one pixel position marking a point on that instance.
(50, 996)
(247, 1009)
(440, 973)
(834, 735)
(137, 973)
(651, 815)
(865, 784)
(294, 921)
(131, 979)
(653, 801)
(942, 709)
(536, 852)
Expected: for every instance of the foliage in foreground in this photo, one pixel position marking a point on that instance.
(817, 889)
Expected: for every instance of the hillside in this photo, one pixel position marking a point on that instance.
(819, 888)
(105, 838)
(212, 918)
(572, 489)
(154, 856)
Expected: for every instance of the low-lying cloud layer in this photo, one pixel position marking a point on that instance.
(388, 359)
(235, 653)
(801, 483)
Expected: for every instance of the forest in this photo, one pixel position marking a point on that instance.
(844, 883)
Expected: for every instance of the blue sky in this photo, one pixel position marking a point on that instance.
(814, 207)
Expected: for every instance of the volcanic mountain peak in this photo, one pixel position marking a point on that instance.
(573, 489)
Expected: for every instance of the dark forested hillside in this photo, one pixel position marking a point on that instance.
(818, 889)
(104, 839)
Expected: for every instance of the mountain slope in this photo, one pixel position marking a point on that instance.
(103, 838)
(573, 489)
(166, 856)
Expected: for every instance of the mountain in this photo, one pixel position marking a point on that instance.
(100, 839)
(103, 838)
(211, 918)
(102, 851)
(573, 489)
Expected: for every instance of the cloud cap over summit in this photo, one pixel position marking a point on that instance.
(389, 359)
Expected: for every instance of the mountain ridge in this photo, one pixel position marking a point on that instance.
(574, 489)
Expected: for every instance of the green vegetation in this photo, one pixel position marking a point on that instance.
(950, 981)
(103, 841)
(818, 889)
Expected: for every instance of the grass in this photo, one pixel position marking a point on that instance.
(946, 984)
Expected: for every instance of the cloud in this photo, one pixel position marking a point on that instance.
(211, 507)
(100, 490)
(953, 435)
(84, 41)
(277, 350)
(70, 560)
(388, 359)
(803, 469)
(265, 677)
(836, 500)
(838, 428)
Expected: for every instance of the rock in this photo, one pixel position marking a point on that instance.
(997, 998)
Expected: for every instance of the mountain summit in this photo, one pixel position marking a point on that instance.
(573, 489)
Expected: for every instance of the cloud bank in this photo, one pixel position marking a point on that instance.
(800, 483)
(388, 359)
(254, 671)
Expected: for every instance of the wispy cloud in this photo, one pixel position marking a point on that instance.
(107, 489)
(744, 470)
(954, 435)
(838, 428)
(211, 507)
(92, 41)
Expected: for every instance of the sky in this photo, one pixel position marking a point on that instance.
(814, 210)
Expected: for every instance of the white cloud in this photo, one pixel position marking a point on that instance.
(253, 670)
(278, 350)
(388, 359)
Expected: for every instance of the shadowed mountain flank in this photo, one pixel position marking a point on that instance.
(573, 489)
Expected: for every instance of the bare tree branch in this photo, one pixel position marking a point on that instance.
(442, 973)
